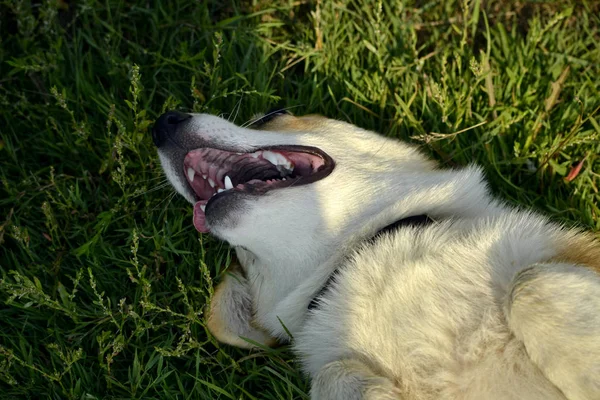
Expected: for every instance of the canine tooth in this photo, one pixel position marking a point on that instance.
(228, 184)
(281, 160)
(203, 208)
(270, 157)
(211, 183)
(191, 173)
(219, 190)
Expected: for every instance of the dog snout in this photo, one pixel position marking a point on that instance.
(166, 126)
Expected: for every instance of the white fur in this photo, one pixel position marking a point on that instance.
(441, 312)
(567, 350)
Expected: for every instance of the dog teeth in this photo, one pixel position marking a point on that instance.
(190, 174)
(278, 160)
(228, 184)
(203, 208)
(281, 160)
(204, 177)
(270, 157)
(255, 155)
(220, 190)
(211, 183)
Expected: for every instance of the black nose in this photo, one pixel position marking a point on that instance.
(166, 126)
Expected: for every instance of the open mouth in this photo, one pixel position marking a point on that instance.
(214, 173)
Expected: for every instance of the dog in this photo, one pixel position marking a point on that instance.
(391, 278)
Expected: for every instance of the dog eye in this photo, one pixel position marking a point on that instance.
(269, 116)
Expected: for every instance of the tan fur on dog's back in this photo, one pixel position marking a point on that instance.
(580, 248)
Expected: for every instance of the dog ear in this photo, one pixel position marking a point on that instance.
(268, 116)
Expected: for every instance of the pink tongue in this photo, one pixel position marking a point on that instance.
(200, 217)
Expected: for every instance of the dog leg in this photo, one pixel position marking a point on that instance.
(230, 313)
(351, 380)
(554, 309)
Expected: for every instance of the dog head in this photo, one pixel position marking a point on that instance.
(281, 181)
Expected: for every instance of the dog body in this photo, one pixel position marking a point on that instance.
(486, 302)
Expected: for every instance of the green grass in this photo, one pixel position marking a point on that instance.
(104, 279)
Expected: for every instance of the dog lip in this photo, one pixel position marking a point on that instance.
(257, 187)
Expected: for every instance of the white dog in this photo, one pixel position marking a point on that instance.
(396, 280)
